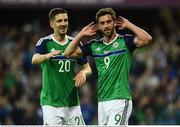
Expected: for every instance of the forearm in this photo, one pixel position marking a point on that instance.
(87, 70)
(73, 46)
(38, 58)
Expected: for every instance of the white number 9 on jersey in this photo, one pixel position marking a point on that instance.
(107, 61)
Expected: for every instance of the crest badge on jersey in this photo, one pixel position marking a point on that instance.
(98, 49)
(52, 49)
(115, 44)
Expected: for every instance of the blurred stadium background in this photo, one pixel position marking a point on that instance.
(155, 73)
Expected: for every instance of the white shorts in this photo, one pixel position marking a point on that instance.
(114, 112)
(62, 115)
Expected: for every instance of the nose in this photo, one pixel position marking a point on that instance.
(106, 25)
(64, 23)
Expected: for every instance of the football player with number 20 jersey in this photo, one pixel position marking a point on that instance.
(59, 96)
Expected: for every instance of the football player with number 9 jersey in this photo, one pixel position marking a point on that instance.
(113, 58)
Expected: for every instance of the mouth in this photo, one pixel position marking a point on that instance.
(107, 30)
(62, 27)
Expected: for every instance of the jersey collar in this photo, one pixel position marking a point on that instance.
(110, 41)
(58, 41)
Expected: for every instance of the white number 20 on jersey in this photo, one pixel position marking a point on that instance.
(107, 61)
(64, 66)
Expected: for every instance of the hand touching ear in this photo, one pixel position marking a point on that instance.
(122, 23)
(89, 30)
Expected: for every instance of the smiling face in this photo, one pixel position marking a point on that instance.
(60, 23)
(106, 25)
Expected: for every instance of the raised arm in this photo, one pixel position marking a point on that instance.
(142, 37)
(72, 49)
(39, 58)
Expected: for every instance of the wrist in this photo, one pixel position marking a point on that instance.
(46, 57)
(84, 74)
(80, 36)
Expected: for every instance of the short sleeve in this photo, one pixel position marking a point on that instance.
(129, 40)
(41, 46)
(86, 49)
(82, 61)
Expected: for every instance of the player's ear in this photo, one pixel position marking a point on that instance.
(51, 24)
(98, 27)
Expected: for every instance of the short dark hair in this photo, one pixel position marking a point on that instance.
(105, 11)
(56, 11)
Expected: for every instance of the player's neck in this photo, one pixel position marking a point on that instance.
(108, 39)
(60, 38)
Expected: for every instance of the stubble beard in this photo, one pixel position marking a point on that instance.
(109, 33)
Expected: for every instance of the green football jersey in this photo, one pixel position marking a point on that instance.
(58, 86)
(113, 62)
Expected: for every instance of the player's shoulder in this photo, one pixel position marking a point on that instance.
(44, 40)
(70, 38)
(95, 41)
(124, 36)
(47, 38)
